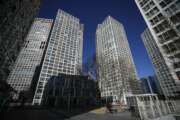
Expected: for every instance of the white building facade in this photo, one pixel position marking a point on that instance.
(30, 55)
(163, 20)
(162, 71)
(116, 72)
(64, 51)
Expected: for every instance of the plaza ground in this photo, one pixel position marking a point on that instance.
(47, 114)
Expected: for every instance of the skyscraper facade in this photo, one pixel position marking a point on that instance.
(163, 20)
(115, 68)
(16, 18)
(64, 51)
(30, 55)
(164, 76)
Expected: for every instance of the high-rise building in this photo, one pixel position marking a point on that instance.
(16, 18)
(115, 68)
(30, 55)
(164, 76)
(64, 51)
(163, 20)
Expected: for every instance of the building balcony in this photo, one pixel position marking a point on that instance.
(144, 3)
(173, 53)
(152, 7)
(164, 31)
(168, 5)
(164, 39)
(168, 42)
(171, 14)
(152, 16)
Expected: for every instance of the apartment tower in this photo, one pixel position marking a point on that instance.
(164, 76)
(64, 51)
(163, 20)
(115, 68)
(30, 55)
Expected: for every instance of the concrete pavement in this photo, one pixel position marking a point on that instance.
(47, 114)
(107, 116)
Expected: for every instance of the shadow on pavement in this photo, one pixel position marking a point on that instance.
(41, 113)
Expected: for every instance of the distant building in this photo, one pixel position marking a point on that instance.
(115, 68)
(64, 51)
(150, 85)
(163, 20)
(164, 76)
(70, 92)
(16, 17)
(30, 55)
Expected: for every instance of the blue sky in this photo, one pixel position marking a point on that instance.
(93, 12)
